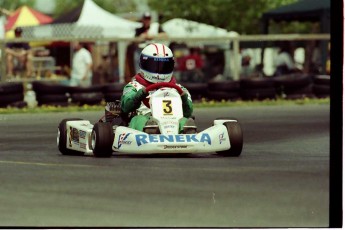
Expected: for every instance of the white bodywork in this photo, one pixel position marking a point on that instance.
(166, 108)
(79, 136)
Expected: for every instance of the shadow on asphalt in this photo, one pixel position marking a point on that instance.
(165, 155)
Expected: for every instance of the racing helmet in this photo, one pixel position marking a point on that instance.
(156, 63)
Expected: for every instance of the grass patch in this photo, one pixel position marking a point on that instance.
(197, 104)
(239, 103)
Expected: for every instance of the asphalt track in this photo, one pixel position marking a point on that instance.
(280, 180)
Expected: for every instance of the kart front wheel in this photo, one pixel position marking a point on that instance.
(236, 140)
(61, 139)
(102, 138)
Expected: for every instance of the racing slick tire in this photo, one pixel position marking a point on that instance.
(62, 138)
(102, 138)
(236, 140)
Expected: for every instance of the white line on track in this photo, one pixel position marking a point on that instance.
(44, 164)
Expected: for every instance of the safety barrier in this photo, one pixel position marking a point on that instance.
(292, 86)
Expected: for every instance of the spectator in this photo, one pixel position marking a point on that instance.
(149, 30)
(18, 55)
(191, 66)
(284, 62)
(246, 68)
(81, 74)
(316, 59)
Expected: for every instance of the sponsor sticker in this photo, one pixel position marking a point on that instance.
(143, 139)
(82, 134)
(73, 136)
(82, 145)
(175, 147)
(122, 140)
(221, 138)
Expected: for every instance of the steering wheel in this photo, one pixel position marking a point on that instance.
(164, 84)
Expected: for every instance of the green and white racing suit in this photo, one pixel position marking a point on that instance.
(133, 99)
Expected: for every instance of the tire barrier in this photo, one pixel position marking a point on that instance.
(223, 90)
(113, 91)
(196, 90)
(12, 95)
(51, 94)
(91, 95)
(321, 86)
(294, 86)
(257, 89)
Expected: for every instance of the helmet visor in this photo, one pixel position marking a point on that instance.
(160, 65)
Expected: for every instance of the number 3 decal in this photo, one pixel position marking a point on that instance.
(167, 109)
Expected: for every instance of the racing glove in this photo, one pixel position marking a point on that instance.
(139, 96)
(132, 100)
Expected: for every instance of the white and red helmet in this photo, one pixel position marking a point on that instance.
(157, 63)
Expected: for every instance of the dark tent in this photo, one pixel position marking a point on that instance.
(69, 17)
(303, 10)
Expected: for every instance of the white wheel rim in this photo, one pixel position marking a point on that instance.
(93, 140)
(58, 138)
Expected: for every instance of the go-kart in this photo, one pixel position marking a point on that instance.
(78, 137)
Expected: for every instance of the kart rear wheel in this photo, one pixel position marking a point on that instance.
(61, 139)
(102, 138)
(236, 140)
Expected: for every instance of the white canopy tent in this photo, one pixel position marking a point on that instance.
(113, 26)
(179, 27)
(93, 22)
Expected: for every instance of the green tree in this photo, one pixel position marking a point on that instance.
(242, 16)
(113, 6)
(12, 5)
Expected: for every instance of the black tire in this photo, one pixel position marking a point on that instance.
(112, 96)
(49, 88)
(258, 94)
(322, 79)
(321, 89)
(195, 87)
(292, 81)
(254, 83)
(89, 89)
(196, 90)
(56, 104)
(62, 138)
(113, 87)
(224, 85)
(102, 138)
(87, 98)
(307, 90)
(47, 98)
(11, 88)
(236, 140)
(221, 95)
(10, 98)
(18, 104)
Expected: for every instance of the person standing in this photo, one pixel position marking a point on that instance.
(284, 62)
(191, 66)
(81, 74)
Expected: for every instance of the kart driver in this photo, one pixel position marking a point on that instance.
(156, 65)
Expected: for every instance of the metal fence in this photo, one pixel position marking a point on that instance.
(230, 46)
